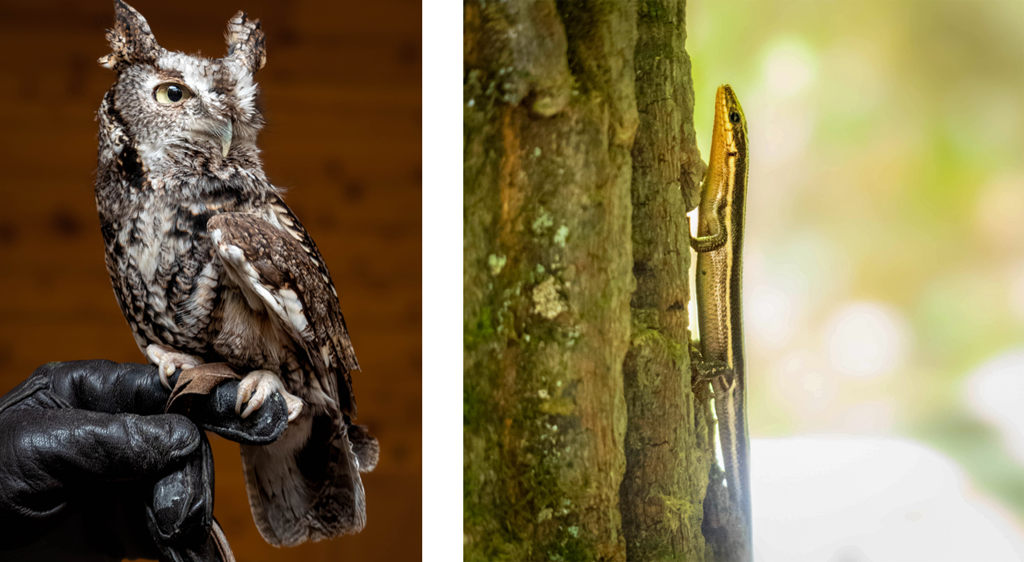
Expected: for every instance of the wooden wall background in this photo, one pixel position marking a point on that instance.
(342, 100)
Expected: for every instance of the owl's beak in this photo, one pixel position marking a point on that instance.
(225, 139)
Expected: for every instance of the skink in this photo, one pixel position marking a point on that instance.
(719, 247)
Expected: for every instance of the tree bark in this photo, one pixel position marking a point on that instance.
(583, 439)
(670, 433)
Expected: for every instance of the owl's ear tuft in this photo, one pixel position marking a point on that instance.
(246, 42)
(131, 41)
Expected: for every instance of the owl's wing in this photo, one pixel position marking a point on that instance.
(289, 277)
(306, 485)
(290, 223)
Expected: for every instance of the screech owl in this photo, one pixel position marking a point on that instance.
(209, 264)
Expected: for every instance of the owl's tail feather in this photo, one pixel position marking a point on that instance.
(364, 446)
(306, 485)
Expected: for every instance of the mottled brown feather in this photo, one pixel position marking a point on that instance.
(164, 178)
(282, 263)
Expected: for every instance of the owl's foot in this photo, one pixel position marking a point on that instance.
(168, 360)
(257, 386)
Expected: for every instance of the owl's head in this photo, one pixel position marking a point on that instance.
(169, 108)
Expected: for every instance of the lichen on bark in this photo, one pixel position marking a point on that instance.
(669, 446)
(547, 173)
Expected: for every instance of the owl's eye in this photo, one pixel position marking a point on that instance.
(171, 93)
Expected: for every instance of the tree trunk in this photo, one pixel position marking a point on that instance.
(583, 438)
(670, 434)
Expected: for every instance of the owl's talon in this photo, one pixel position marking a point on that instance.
(168, 361)
(257, 399)
(256, 387)
(163, 379)
(242, 396)
(294, 404)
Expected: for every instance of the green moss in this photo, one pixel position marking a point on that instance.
(559, 407)
(654, 12)
(479, 330)
(644, 318)
(679, 509)
(584, 20)
(570, 548)
(530, 492)
(646, 332)
(518, 499)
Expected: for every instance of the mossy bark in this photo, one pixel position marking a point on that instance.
(564, 202)
(670, 434)
(547, 175)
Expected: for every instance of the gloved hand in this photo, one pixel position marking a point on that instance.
(91, 469)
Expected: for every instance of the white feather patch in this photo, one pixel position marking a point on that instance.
(272, 219)
(293, 308)
(147, 254)
(325, 353)
(285, 303)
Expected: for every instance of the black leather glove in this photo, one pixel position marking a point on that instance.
(91, 469)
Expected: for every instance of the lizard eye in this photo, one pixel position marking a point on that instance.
(734, 117)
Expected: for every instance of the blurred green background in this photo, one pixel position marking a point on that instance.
(884, 278)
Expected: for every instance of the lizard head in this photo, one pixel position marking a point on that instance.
(730, 119)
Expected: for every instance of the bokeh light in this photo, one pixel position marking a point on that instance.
(865, 340)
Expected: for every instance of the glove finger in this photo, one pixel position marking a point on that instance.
(70, 443)
(182, 505)
(104, 386)
(216, 412)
